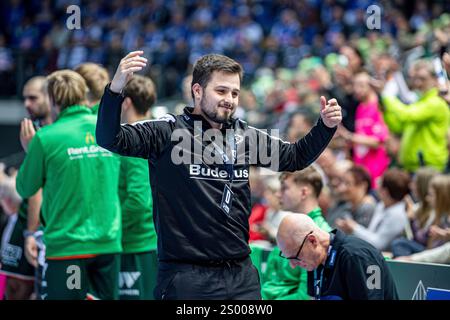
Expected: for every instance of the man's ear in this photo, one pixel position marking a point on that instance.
(305, 191)
(313, 239)
(126, 105)
(197, 90)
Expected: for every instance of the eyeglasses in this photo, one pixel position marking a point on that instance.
(299, 250)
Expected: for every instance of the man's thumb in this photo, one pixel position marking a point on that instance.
(323, 102)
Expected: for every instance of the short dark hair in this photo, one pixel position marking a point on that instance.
(309, 176)
(141, 90)
(396, 182)
(207, 64)
(361, 175)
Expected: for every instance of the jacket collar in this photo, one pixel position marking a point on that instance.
(430, 93)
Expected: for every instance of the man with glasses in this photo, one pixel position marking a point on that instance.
(340, 267)
(300, 191)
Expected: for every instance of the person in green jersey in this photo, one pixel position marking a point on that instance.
(96, 78)
(299, 192)
(137, 276)
(81, 208)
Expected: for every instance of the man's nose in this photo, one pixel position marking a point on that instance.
(229, 97)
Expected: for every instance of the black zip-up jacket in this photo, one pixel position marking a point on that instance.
(358, 272)
(189, 221)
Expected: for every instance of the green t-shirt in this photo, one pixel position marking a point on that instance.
(282, 282)
(138, 231)
(23, 210)
(94, 108)
(80, 180)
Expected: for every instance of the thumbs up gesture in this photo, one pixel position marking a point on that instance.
(330, 112)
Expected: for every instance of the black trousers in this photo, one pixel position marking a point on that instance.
(227, 281)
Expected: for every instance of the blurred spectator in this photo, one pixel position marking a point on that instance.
(300, 123)
(264, 220)
(389, 218)
(96, 78)
(437, 255)
(287, 28)
(370, 130)
(438, 193)
(421, 216)
(272, 33)
(13, 264)
(357, 204)
(423, 125)
(7, 67)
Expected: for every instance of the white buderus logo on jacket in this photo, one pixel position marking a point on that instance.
(201, 171)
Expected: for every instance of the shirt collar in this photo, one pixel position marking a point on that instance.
(71, 110)
(337, 241)
(316, 212)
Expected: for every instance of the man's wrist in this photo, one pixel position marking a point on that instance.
(114, 91)
(322, 123)
(28, 233)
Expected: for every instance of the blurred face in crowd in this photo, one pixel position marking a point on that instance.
(36, 101)
(383, 193)
(361, 87)
(273, 198)
(353, 59)
(291, 194)
(298, 127)
(349, 188)
(382, 65)
(431, 196)
(421, 79)
(220, 97)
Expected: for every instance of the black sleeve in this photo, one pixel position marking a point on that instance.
(143, 139)
(279, 155)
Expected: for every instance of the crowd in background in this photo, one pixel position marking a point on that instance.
(260, 34)
(385, 174)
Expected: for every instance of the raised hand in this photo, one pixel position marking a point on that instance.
(331, 112)
(27, 133)
(132, 62)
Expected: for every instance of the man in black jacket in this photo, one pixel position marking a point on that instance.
(199, 163)
(340, 267)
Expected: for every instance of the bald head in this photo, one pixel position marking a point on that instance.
(294, 227)
(38, 82)
(300, 239)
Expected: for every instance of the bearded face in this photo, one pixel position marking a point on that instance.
(220, 97)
